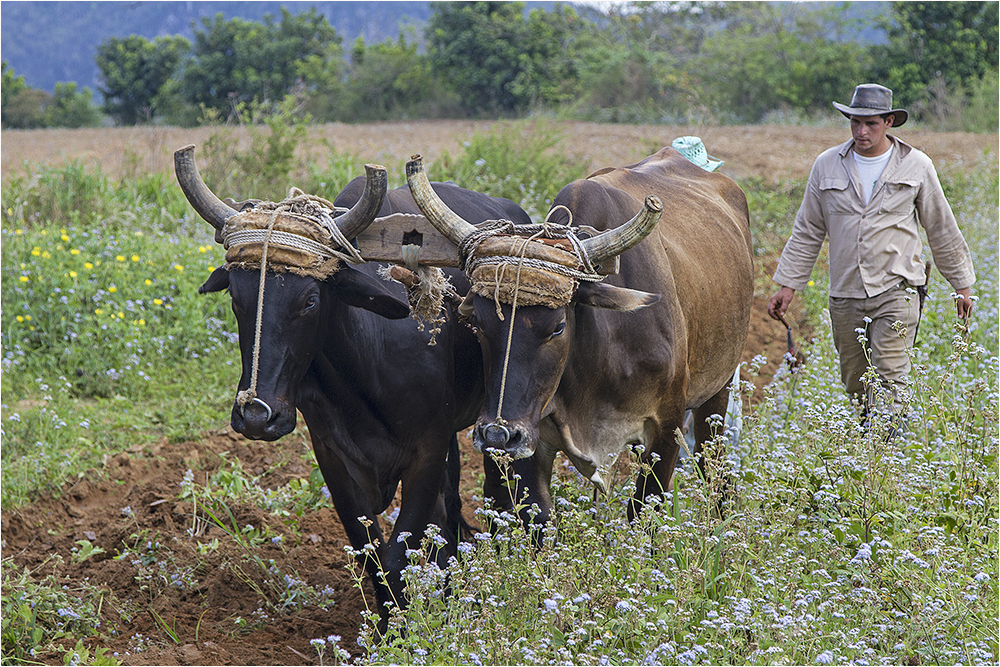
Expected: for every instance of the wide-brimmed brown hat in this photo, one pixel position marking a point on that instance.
(871, 99)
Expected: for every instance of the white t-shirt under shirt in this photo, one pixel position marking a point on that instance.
(870, 168)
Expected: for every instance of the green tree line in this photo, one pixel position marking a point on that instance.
(660, 62)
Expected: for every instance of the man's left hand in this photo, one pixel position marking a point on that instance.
(963, 302)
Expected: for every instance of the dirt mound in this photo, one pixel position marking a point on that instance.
(160, 576)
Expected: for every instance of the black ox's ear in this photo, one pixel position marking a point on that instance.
(610, 297)
(362, 291)
(218, 281)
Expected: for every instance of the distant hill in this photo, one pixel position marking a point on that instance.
(50, 42)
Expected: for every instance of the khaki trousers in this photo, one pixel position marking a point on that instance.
(888, 322)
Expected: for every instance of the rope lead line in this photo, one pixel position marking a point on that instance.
(250, 394)
(547, 230)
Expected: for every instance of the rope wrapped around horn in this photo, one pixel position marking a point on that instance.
(528, 264)
(304, 234)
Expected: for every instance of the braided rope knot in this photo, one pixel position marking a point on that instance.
(300, 232)
(535, 264)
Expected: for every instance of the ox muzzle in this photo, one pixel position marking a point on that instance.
(507, 438)
(263, 420)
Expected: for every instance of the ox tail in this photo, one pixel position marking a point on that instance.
(457, 524)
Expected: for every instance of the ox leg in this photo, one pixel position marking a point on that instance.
(520, 485)
(425, 500)
(453, 524)
(350, 502)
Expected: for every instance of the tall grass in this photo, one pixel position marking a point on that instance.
(102, 321)
(518, 162)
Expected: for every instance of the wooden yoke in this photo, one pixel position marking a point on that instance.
(386, 240)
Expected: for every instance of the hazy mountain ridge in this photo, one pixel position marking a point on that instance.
(50, 42)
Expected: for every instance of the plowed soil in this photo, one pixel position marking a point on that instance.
(214, 617)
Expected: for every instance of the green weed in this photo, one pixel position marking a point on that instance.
(516, 162)
(40, 614)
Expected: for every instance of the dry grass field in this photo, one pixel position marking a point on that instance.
(773, 151)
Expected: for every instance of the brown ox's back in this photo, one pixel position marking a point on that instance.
(704, 250)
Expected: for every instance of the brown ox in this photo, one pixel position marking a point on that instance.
(621, 360)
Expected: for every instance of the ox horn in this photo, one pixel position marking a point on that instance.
(446, 221)
(363, 213)
(205, 203)
(216, 212)
(614, 242)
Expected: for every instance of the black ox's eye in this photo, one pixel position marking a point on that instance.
(561, 327)
(311, 303)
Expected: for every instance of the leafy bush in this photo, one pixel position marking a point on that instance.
(259, 167)
(517, 162)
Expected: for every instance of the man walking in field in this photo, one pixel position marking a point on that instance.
(868, 196)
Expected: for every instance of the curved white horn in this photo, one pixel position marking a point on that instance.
(616, 241)
(446, 221)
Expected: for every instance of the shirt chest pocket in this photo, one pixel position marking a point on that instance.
(835, 194)
(898, 196)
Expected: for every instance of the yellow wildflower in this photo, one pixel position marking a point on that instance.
(148, 281)
(72, 274)
(74, 251)
(157, 302)
(120, 258)
(112, 289)
(20, 318)
(24, 279)
(64, 237)
(178, 267)
(98, 311)
(88, 265)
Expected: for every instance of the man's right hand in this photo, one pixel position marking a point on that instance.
(779, 303)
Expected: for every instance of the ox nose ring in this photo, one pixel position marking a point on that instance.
(496, 434)
(263, 405)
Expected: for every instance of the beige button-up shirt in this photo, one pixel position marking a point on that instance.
(874, 245)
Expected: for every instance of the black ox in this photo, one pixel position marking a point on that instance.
(619, 361)
(382, 406)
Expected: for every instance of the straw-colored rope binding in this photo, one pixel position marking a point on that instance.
(542, 264)
(304, 237)
(299, 235)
